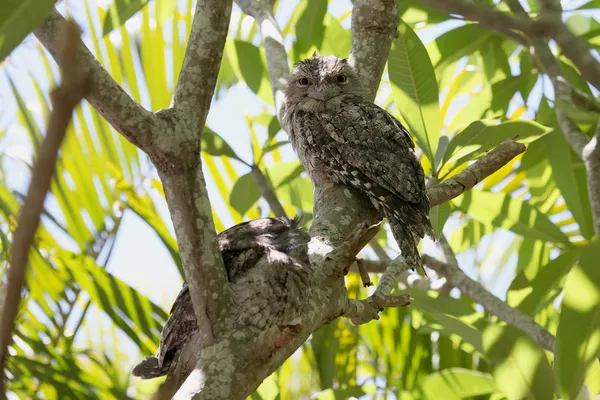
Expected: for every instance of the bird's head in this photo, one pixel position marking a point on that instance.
(320, 83)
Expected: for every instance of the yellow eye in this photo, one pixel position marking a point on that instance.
(341, 79)
(303, 82)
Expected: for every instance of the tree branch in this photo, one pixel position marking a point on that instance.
(277, 59)
(74, 87)
(481, 295)
(180, 168)
(201, 63)
(508, 25)
(591, 159)
(363, 311)
(374, 26)
(475, 173)
(576, 49)
(267, 192)
(496, 20)
(137, 124)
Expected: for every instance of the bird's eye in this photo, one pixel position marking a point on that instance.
(341, 79)
(303, 82)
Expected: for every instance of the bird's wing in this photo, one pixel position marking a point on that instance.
(376, 146)
(180, 325)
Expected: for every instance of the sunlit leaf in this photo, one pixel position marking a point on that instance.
(528, 293)
(19, 18)
(122, 10)
(520, 366)
(578, 336)
(415, 89)
(484, 135)
(504, 211)
(457, 383)
(214, 145)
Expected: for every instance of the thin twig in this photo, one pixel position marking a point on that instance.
(363, 311)
(272, 40)
(266, 189)
(64, 100)
(475, 173)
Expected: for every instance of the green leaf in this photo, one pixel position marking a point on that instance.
(438, 216)
(415, 90)
(17, 19)
(519, 365)
(481, 136)
(468, 234)
(495, 60)
(457, 383)
(338, 40)
(454, 315)
(568, 171)
(528, 294)
(503, 91)
(457, 43)
(578, 334)
(215, 145)
(250, 63)
(244, 194)
(274, 146)
(131, 311)
(310, 29)
(504, 211)
(121, 10)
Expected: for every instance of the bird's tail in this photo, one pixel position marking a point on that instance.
(150, 368)
(407, 241)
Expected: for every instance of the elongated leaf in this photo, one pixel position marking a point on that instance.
(484, 135)
(456, 43)
(438, 216)
(528, 294)
(143, 320)
(338, 40)
(244, 194)
(504, 211)
(215, 145)
(520, 366)
(415, 89)
(454, 315)
(17, 19)
(310, 29)
(457, 383)
(250, 64)
(121, 10)
(578, 335)
(566, 168)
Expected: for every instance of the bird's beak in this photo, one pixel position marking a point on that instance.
(317, 95)
(324, 92)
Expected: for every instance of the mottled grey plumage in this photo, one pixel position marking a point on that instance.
(266, 261)
(342, 137)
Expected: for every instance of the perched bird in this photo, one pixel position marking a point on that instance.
(266, 261)
(340, 136)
